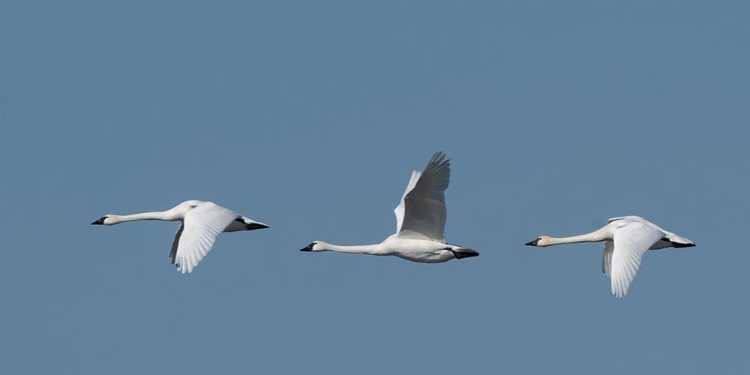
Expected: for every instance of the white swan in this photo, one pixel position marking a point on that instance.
(420, 221)
(200, 223)
(625, 239)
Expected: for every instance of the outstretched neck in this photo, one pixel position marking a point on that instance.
(595, 236)
(376, 249)
(164, 215)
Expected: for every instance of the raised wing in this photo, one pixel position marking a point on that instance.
(631, 241)
(424, 210)
(198, 232)
(399, 211)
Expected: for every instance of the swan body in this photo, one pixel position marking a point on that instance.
(625, 239)
(420, 221)
(200, 223)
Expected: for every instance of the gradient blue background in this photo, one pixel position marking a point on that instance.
(310, 117)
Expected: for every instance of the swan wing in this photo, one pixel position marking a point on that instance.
(609, 248)
(176, 242)
(198, 233)
(399, 211)
(631, 241)
(424, 204)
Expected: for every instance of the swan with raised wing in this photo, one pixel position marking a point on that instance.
(420, 221)
(200, 223)
(625, 239)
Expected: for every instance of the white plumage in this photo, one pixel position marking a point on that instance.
(200, 223)
(420, 221)
(625, 239)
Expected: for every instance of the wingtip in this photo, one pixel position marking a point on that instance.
(439, 158)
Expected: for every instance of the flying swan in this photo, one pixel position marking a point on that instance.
(200, 223)
(420, 221)
(625, 239)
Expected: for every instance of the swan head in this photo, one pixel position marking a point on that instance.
(106, 220)
(315, 246)
(541, 241)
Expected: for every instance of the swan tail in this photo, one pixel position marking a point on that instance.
(678, 241)
(245, 223)
(683, 244)
(462, 252)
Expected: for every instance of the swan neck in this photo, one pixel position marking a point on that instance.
(145, 216)
(357, 249)
(596, 236)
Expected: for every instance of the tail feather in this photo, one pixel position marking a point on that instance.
(678, 244)
(461, 253)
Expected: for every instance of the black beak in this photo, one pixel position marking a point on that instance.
(308, 248)
(532, 243)
(254, 226)
(100, 221)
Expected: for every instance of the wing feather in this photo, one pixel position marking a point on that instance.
(631, 241)
(173, 251)
(400, 209)
(424, 212)
(198, 232)
(609, 247)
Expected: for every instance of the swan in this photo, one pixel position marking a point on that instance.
(200, 223)
(625, 239)
(420, 221)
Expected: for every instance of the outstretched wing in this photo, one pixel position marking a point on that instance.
(423, 204)
(631, 241)
(198, 232)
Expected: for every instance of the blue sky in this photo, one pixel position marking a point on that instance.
(310, 117)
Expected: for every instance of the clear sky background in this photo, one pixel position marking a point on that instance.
(310, 116)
